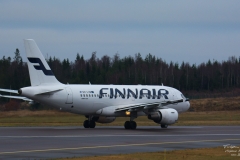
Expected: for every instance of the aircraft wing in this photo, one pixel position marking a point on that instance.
(9, 91)
(17, 97)
(140, 106)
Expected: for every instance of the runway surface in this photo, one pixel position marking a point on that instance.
(59, 142)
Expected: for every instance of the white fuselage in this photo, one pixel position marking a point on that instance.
(89, 99)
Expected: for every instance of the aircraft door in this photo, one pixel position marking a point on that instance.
(69, 99)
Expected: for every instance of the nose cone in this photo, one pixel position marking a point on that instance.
(187, 105)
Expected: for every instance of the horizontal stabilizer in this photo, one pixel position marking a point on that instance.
(16, 97)
(49, 92)
(9, 90)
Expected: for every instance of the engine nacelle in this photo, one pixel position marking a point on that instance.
(103, 119)
(164, 116)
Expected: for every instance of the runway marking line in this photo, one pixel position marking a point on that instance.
(122, 135)
(118, 145)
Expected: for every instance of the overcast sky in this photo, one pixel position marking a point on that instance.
(186, 30)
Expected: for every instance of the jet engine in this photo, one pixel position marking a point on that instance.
(103, 119)
(164, 116)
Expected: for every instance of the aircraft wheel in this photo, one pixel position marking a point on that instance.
(92, 124)
(164, 125)
(127, 125)
(130, 125)
(133, 125)
(86, 124)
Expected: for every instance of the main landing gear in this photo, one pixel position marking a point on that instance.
(90, 123)
(130, 125)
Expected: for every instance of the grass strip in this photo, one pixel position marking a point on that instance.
(56, 118)
(217, 153)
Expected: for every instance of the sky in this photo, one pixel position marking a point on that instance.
(188, 30)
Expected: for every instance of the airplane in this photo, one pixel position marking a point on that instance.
(99, 103)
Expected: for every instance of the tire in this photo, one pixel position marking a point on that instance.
(133, 125)
(164, 125)
(127, 125)
(92, 124)
(86, 124)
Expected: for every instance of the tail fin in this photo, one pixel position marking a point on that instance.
(39, 71)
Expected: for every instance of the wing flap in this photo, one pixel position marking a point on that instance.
(134, 107)
(172, 102)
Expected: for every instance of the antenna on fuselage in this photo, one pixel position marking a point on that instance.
(162, 84)
(90, 83)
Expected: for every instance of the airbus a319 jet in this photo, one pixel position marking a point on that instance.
(99, 103)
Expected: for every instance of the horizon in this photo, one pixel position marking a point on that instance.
(177, 31)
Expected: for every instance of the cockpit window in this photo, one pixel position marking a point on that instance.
(183, 96)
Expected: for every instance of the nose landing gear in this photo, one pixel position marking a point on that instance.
(164, 125)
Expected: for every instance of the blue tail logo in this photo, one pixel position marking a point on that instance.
(40, 66)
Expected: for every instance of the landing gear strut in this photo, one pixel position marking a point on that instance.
(131, 124)
(90, 123)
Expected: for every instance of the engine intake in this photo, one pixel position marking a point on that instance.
(164, 116)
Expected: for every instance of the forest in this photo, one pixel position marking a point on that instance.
(191, 79)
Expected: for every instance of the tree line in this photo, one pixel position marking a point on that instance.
(130, 70)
